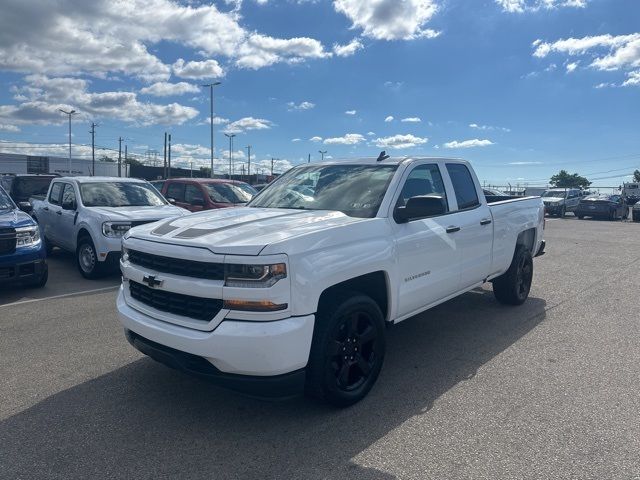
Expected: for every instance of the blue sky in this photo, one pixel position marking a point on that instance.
(521, 88)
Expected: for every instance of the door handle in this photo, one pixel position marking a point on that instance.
(46, 208)
(453, 229)
(59, 212)
(485, 221)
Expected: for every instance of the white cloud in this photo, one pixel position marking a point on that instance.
(102, 37)
(46, 95)
(301, 106)
(371, 134)
(572, 66)
(520, 6)
(604, 52)
(296, 140)
(349, 49)
(400, 141)
(315, 139)
(411, 120)
(524, 163)
(468, 143)
(390, 19)
(248, 123)
(5, 127)
(195, 70)
(166, 89)
(348, 139)
(350, 112)
(262, 51)
(633, 78)
(488, 127)
(389, 119)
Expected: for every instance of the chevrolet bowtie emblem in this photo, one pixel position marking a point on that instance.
(152, 281)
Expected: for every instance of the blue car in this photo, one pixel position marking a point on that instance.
(23, 255)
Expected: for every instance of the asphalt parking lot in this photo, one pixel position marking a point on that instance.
(470, 389)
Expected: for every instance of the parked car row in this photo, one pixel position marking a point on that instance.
(559, 201)
(89, 215)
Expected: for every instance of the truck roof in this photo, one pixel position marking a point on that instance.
(103, 179)
(386, 161)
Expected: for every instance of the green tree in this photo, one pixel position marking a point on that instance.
(564, 179)
(133, 161)
(106, 158)
(636, 176)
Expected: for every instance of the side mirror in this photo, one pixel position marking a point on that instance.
(421, 207)
(69, 205)
(197, 202)
(172, 201)
(26, 207)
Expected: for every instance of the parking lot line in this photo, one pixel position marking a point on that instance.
(95, 290)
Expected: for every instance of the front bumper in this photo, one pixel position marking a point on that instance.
(23, 266)
(239, 348)
(553, 209)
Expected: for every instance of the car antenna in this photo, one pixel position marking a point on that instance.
(383, 156)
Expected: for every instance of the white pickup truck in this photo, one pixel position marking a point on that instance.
(89, 215)
(295, 290)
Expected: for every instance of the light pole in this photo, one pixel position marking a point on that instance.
(249, 163)
(211, 85)
(70, 113)
(230, 136)
(322, 152)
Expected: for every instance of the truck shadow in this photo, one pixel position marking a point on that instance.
(146, 421)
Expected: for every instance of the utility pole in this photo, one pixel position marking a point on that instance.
(230, 136)
(93, 149)
(272, 166)
(169, 158)
(69, 113)
(119, 156)
(211, 85)
(249, 162)
(309, 159)
(321, 152)
(125, 160)
(191, 171)
(164, 170)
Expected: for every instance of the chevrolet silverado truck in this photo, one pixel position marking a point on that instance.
(22, 253)
(89, 215)
(293, 292)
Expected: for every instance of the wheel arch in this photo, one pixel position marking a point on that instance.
(528, 239)
(375, 285)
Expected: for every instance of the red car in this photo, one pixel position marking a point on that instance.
(197, 194)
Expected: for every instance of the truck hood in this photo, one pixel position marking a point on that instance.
(243, 230)
(14, 218)
(552, 199)
(139, 213)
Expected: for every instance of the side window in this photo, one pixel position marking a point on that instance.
(463, 185)
(423, 180)
(68, 195)
(56, 190)
(176, 191)
(192, 193)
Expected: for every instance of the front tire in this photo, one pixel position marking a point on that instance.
(87, 259)
(347, 351)
(513, 286)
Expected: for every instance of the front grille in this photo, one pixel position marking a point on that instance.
(187, 268)
(7, 240)
(185, 305)
(136, 223)
(7, 272)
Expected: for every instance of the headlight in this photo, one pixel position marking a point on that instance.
(253, 276)
(115, 229)
(124, 254)
(27, 236)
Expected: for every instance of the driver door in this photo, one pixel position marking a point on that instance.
(428, 255)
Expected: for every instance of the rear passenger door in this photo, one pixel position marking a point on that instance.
(51, 210)
(473, 218)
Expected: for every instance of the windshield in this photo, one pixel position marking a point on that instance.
(228, 193)
(25, 187)
(355, 190)
(247, 188)
(554, 194)
(5, 201)
(120, 194)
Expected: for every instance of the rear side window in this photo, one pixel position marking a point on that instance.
(176, 191)
(54, 196)
(463, 185)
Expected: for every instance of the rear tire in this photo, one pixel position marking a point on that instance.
(87, 259)
(513, 286)
(347, 350)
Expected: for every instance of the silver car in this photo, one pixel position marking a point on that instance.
(558, 201)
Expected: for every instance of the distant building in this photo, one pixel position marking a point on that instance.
(16, 163)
